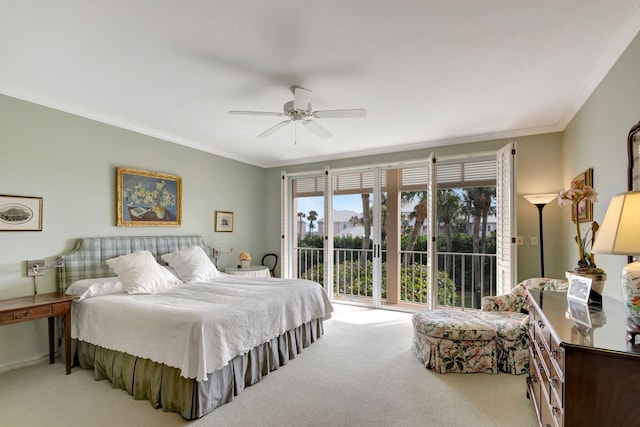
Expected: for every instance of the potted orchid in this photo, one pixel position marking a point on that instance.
(578, 194)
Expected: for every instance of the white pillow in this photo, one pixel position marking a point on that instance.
(170, 275)
(87, 288)
(140, 273)
(191, 264)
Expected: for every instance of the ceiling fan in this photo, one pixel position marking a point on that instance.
(300, 110)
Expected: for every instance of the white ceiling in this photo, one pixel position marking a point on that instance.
(429, 72)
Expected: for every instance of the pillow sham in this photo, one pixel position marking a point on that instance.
(87, 288)
(191, 264)
(140, 273)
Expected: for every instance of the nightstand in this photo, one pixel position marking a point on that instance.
(24, 309)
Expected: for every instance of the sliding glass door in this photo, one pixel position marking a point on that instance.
(406, 235)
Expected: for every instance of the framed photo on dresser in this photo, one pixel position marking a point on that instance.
(579, 289)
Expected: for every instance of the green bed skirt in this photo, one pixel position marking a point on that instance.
(165, 388)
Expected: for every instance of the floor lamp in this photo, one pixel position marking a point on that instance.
(540, 201)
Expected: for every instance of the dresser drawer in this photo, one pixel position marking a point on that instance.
(25, 314)
(543, 331)
(556, 410)
(557, 356)
(534, 373)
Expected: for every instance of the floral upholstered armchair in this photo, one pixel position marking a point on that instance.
(509, 314)
(516, 300)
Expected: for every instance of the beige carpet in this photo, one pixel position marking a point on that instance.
(360, 373)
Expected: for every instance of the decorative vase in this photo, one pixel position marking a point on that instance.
(597, 279)
(245, 263)
(630, 286)
(159, 211)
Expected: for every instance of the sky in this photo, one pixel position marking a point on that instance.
(351, 202)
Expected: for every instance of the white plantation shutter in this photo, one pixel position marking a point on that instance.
(506, 250)
(308, 186)
(466, 173)
(285, 230)
(328, 234)
(432, 259)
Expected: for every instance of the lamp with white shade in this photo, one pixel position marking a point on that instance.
(540, 201)
(620, 235)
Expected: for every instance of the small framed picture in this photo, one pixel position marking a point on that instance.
(224, 221)
(579, 288)
(585, 209)
(20, 213)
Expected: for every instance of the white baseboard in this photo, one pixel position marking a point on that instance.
(23, 363)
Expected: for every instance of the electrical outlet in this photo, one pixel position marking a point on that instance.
(520, 240)
(534, 241)
(34, 267)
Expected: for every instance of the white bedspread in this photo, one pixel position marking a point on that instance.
(199, 328)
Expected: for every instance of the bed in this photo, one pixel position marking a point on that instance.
(187, 347)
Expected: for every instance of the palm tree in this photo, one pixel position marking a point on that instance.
(355, 220)
(301, 216)
(419, 213)
(312, 216)
(449, 208)
(480, 200)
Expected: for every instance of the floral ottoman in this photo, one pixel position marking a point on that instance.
(512, 340)
(454, 341)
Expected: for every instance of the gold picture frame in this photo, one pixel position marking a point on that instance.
(633, 156)
(147, 199)
(585, 209)
(224, 221)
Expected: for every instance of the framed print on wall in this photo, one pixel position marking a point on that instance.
(20, 213)
(585, 209)
(224, 221)
(147, 199)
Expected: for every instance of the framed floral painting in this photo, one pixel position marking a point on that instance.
(147, 199)
(585, 209)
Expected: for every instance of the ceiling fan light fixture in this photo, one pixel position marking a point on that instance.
(300, 109)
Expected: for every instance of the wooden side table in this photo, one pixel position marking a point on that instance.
(55, 304)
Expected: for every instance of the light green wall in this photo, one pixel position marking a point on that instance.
(70, 162)
(539, 170)
(597, 137)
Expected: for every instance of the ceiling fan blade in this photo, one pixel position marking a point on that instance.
(301, 98)
(317, 129)
(340, 113)
(273, 129)
(256, 113)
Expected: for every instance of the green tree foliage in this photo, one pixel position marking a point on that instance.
(351, 279)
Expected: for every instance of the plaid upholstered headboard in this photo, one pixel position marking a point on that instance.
(88, 258)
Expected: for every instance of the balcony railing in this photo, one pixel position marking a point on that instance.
(463, 278)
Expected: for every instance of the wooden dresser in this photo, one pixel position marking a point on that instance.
(581, 376)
